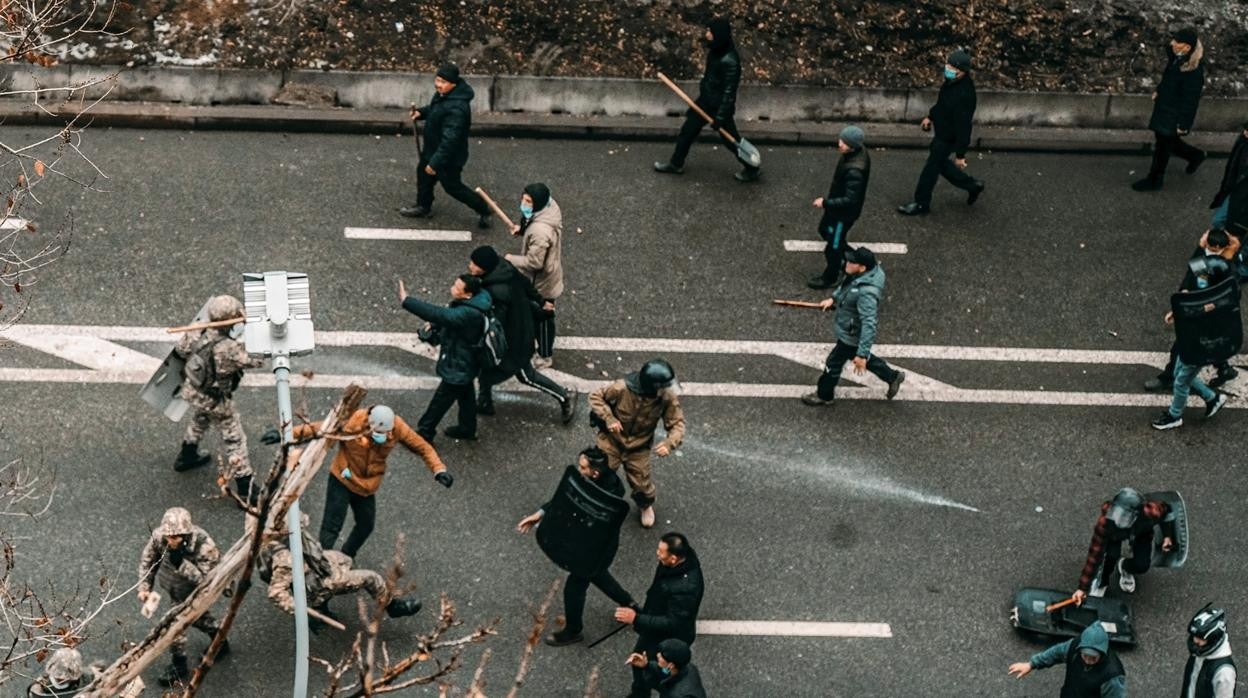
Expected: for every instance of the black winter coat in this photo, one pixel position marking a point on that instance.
(447, 120)
(686, 684)
(515, 303)
(953, 113)
(672, 602)
(1235, 187)
(848, 190)
(1178, 93)
(717, 92)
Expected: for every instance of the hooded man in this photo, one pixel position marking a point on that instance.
(950, 121)
(541, 260)
(1131, 519)
(1175, 102)
(843, 204)
(672, 671)
(626, 414)
(857, 303)
(515, 302)
(717, 96)
(1092, 669)
(1210, 671)
(448, 118)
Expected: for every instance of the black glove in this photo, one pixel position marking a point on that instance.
(271, 437)
(444, 478)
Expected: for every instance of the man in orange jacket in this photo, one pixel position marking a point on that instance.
(358, 467)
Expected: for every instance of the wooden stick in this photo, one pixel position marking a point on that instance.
(796, 304)
(206, 325)
(497, 211)
(1060, 604)
(313, 613)
(694, 106)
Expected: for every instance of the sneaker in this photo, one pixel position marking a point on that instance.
(458, 432)
(813, 400)
(1194, 165)
(1126, 580)
(1157, 385)
(563, 638)
(1226, 375)
(895, 385)
(914, 209)
(647, 517)
(1215, 405)
(567, 408)
(1165, 421)
(543, 362)
(485, 221)
(748, 175)
(1147, 184)
(973, 195)
(818, 282)
(1096, 589)
(415, 212)
(668, 168)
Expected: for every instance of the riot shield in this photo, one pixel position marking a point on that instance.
(163, 389)
(1207, 323)
(580, 529)
(1177, 515)
(1030, 614)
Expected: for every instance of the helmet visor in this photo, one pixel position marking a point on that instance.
(1122, 517)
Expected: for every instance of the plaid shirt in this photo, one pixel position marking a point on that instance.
(1153, 514)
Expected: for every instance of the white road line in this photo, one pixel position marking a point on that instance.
(818, 245)
(407, 234)
(793, 628)
(92, 352)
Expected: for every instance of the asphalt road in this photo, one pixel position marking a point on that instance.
(798, 514)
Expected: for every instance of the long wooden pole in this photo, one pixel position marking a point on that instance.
(796, 304)
(694, 106)
(495, 208)
(206, 325)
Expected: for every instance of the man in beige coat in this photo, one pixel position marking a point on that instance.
(541, 259)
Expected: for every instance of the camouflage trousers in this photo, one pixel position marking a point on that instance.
(344, 580)
(207, 624)
(222, 414)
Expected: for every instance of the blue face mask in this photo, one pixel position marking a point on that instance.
(950, 73)
(666, 671)
(526, 210)
(379, 438)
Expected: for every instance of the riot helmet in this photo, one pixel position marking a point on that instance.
(1209, 625)
(1125, 507)
(175, 522)
(224, 308)
(655, 375)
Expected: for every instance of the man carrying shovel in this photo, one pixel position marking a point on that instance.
(716, 104)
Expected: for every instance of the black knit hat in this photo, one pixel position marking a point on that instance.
(861, 255)
(676, 651)
(540, 193)
(448, 72)
(961, 60)
(485, 257)
(1186, 35)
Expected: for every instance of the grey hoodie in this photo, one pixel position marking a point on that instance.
(857, 309)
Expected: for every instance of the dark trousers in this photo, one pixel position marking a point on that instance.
(363, 509)
(1166, 145)
(689, 132)
(528, 375)
(836, 234)
(446, 395)
(1140, 562)
(940, 165)
(574, 597)
(836, 361)
(451, 184)
(1167, 373)
(546, 333)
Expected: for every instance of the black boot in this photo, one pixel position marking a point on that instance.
(398, 608)
(178, 673)
(245, 491)
(485, 404)
(414, 211)
(190, 458)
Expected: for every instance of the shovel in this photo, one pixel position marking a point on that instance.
(746, 152)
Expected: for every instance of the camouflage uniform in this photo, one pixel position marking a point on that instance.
(64, 676)
(327, 573)
(179, 574)
(212, 401)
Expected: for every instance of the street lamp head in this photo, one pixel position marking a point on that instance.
(279, 314)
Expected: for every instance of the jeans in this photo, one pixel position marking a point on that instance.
(452, 184)
(1167, 143)
(836, 361)
(1186, 380)
(1220, 215)
(1167, 373)
(939, 165)
(836, 234)
(689, 132)
(574, 597)
(446, 395)
(363, 508)
(528, 375)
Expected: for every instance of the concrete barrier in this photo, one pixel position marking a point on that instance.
(381, 90)
(588, 96)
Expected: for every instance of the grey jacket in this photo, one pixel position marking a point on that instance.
(857, 309)
(541, 251)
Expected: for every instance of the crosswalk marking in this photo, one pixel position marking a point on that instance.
(818, 245)
(407, 234)
(793, 628)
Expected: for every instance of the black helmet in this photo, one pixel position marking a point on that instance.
(655, 375)
(1125, 507)
(1211, 267)
(1208, 624)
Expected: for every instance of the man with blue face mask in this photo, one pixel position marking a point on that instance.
(950, 121)
(359, 466)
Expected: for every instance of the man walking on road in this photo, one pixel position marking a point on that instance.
(541, 260)
(950, 120)
(1174, 108)
(671, 672)
(857, 303)
(448, 118)
(843, 204)
(369, 435)
(717, 95)
(456, 329)
(515, 303)
(626, 414)
(1092, 669)
(672, 603)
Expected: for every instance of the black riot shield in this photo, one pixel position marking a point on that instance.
(1178, 516)
(580, 529)
(1207, 323)
(1030, 614)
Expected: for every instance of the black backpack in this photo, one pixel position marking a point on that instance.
(492, 346)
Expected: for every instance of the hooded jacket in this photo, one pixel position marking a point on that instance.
(672, 602)
(541, 251)
(514, 300)
(460, 327)
(1106, 679)
(448, 117)
(954, 113)
(717, 91)
(639, 414)
(858, 308)
(1178, 93)
(365, 458)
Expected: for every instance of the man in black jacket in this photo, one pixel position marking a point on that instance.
(950, 119)
(1174, 108)
(843, 204)
(717, 95)
(516, 302)
(1230, 204)
(672, 671)
(672, 602)
(448, 117)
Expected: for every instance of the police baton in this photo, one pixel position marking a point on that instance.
(618, 628)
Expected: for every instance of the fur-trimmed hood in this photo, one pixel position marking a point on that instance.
(1193, 58)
